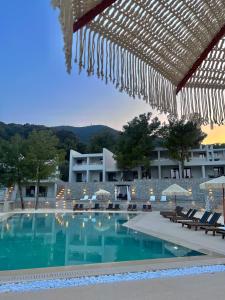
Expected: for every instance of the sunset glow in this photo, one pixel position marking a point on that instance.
(215, 135)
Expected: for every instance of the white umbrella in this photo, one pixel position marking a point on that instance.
(175, 190)
(216, 184)
(102, 193)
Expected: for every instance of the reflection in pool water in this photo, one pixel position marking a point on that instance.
(48, 240)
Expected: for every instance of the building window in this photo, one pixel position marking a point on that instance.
(112, 176)
(100, 177)
(218, 171)
(79, 177)
(42, 191)
(30, 191)
(174, 173)
(187, 173)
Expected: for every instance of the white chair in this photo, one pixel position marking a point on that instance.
(85, 198)
(163, 198)
(93, 198)
(152, 198)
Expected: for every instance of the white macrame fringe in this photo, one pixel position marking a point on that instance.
(112, 63)
(136, 45)
(209, 104)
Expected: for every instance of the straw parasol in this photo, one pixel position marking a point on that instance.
(102, 193)
(216, 184)
(152, 49)
(175, 190)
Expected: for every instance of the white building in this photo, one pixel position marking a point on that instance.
(205, 162)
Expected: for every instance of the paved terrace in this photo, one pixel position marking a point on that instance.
(154, 224)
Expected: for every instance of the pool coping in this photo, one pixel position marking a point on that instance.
(211, 258)
(41, 274)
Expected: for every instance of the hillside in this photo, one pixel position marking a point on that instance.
(84, 134)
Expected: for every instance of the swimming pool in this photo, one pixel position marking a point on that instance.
(48, 240)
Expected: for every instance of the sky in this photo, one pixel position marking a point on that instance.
(35, 87)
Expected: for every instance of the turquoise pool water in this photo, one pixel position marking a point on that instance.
(49, 240)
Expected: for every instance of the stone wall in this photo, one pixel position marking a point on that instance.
(142, 189)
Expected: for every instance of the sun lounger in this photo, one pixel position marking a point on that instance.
(147, 207)
(202, 220)
(181, 214)
(211, 223)
(134, 207)
(76, 206)
(117, 207)
(190, 216)
(129, 207)
(80, 206)
(163, 198)
(97, 206)
(167, 213)
(93, 198)
(110, 206)
(152, 198)
(221, 231)
(85, 198)
(216, 229)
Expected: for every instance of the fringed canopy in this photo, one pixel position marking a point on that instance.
(152, 49)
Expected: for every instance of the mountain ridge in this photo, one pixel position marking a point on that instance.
(83, 133)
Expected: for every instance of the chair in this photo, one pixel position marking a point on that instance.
(76, 206)
(184, 218)
(221, 231)
(149, 207)
(202, 220)
(181, 215)
(163, 198)
(85, 198)
(93, 198)
(134, 207)
(129, 207)
(211, 223)
(152, 198)
(117, 207)
(110, 206)
(167, 214)
(81, 207)
(97, 206)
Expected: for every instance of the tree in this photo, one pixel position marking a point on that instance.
(136, 142)
(102, 140)
(180, 137)
(43, 157)
(13, 165)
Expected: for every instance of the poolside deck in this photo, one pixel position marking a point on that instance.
(154, 224)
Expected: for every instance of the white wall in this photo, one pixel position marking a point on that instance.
(94, 176)
(109, 161)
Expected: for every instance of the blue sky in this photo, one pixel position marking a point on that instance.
(34, 85)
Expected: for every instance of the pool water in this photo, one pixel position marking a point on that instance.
(49, 240)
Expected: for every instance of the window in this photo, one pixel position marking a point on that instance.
(218, 171)
(175, 173)
(42, 191)
(100, 177)
(30, 191)
(187, 173)
(79, 177)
